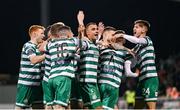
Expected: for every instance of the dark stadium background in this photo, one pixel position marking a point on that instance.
(17, 15)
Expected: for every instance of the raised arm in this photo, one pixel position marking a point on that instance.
(134, 39)
(81, 28)
(100, 30)
(80, 18)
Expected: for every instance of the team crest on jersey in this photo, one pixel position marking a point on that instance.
(107, 68)
(94, 96)
(30, 51)
(93, 93)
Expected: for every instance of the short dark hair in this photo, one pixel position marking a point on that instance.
(62, 30)
(90, 23)
(54, 28)
(143, 23)
(87, 26)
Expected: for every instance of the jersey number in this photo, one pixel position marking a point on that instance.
(61, 50)
(146, 91)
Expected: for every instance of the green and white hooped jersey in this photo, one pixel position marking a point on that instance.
(47, 63)
(146, 60)
(62, 53)
(89, 63)
(111, 64)
(30, 74)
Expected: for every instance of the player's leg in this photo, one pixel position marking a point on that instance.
(151, 86)
(59, 107)
(23, 97)
(91, 96)
(148, 90)
(46, 96)
(116, 107)
(109, 96)
(62, 92)
(18, 108)
(151, 105)
(52, 92)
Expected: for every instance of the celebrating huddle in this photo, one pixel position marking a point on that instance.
(85, 72)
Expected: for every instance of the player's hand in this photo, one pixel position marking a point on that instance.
(41, 46)
(81, 28)
(120, 36)
(100, 28)
(80, 17)
(78, 50)
(132, 53)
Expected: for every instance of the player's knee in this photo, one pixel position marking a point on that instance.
(18, 108)
(151, 105)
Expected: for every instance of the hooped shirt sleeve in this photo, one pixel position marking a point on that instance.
(83, 44)
(30, 50)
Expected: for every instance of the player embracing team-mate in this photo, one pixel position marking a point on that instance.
(85, 72)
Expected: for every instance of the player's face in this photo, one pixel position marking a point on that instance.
(39, 35)
(108, 35)
(137, 30)
(92, 32)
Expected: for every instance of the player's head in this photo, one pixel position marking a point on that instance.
(54, 29)
(61, 23)
(36, 32)
(108, 33)
(64, 32)
(118, 36)
(141, 27)
(92, 31)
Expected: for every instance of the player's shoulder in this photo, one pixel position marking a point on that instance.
(29, 44)
(149, 40)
